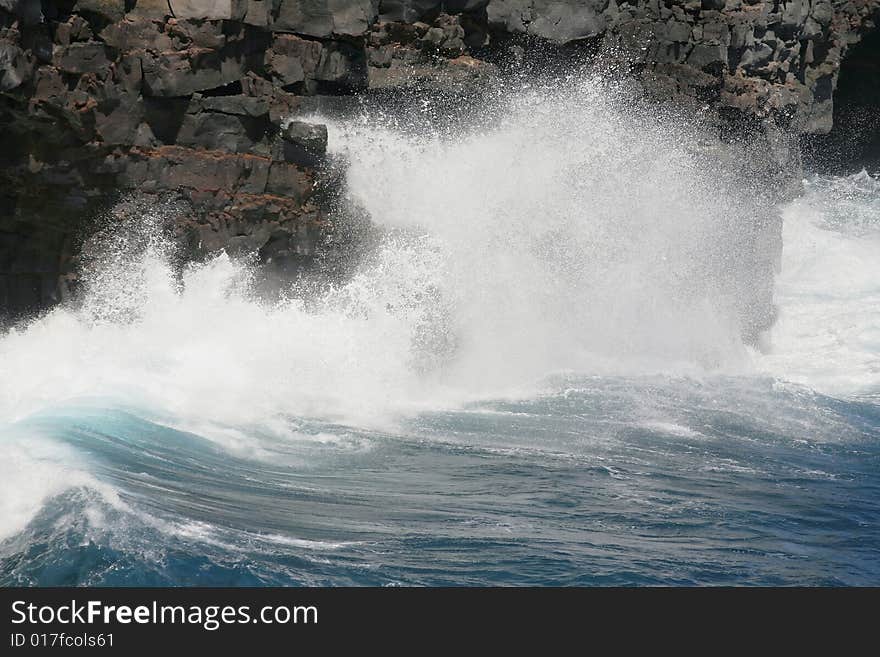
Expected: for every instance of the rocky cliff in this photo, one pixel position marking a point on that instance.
(190, 98)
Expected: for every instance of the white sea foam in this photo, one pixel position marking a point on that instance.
(827, 336)
(32, 471)
(574, 235)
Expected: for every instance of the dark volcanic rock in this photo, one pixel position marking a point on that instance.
(308, 136)
(82, 58)
(183, 73)
(28, 12)
(187, 99)
(110, 10)
(324, 18)
(561, 21)
(304, 143)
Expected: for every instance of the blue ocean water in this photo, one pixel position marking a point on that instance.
(534, 379)
(741, 482)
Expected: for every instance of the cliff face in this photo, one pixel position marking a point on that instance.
(753, 58)
(187, 98)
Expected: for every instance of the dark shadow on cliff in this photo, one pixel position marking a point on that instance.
(854, 142)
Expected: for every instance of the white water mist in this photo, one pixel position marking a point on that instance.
(573, 232)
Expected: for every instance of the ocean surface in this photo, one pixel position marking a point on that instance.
(535, 377)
